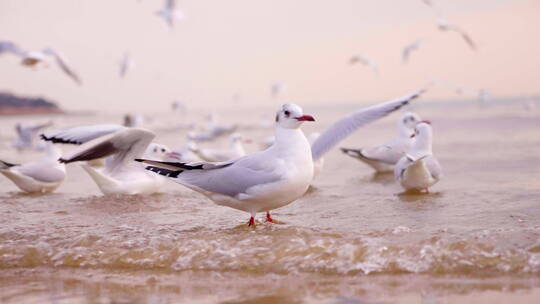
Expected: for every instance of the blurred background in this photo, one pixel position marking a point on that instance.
(232, 52)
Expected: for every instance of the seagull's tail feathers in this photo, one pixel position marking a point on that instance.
(173, 169)
(6, 165)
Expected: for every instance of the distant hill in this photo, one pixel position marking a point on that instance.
(11, 104)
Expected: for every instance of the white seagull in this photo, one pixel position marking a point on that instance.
(365, 61)
(40, 58)
(236, 150)
(273, 178)
(444, 26)
(383, 158)
(408, 49)
(27, 134)
(120, 145)
(170, 13)
(419, 169)
(41, 176)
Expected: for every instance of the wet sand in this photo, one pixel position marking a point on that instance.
(353, 238)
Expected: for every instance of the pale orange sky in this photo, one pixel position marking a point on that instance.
(244, 46)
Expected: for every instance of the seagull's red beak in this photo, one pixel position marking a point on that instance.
(426, 121)
(413, 135)
(305, 118)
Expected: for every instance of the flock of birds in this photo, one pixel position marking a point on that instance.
(171, 14)
(125, 160)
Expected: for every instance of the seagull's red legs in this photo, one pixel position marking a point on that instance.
(251, 222)
(269, 217)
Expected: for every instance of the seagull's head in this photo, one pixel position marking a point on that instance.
(291, 116)
(409, 120)
(156, 152)
(423, 130)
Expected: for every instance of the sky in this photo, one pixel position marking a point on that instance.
(241, 47)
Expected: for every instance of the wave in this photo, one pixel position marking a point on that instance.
(275, 250)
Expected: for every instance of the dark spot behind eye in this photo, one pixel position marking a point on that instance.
(155, 150)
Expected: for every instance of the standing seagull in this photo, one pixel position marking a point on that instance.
(365, 61)
(382, 158)
(41, 176)
(444, 26)
(406, 52)
(273, 178)
(170, 13)
(120, 145)
(236, 150)
(419, 169)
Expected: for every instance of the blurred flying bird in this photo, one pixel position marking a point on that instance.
(364, 61)
(444, 26)
(126, 64)
(170, 13)
(39, 58)
(407, 50)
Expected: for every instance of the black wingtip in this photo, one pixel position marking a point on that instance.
(139, 160)
(56, 140)
(63, 161)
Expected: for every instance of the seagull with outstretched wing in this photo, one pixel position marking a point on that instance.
(273, 178)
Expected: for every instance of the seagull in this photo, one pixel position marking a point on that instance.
(26, 135)
(125, 65)
(273, 178)
(382, 158)
(213, 130)
(120, 145)
(183, 154)
(406, 52)
(43, 57)
(42, 176)
(365, 61)
(39, 58)
(418, 169)
(236, 150)
(444, 26)
(170, 13)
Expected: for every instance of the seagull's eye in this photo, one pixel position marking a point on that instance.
(287, 113)
(162, 150)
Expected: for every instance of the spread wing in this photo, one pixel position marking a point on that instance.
(62, 63)
(346, 126)
(80, 135)
(10, 47)
(124, 146)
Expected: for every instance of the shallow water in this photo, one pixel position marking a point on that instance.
(353, 238)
